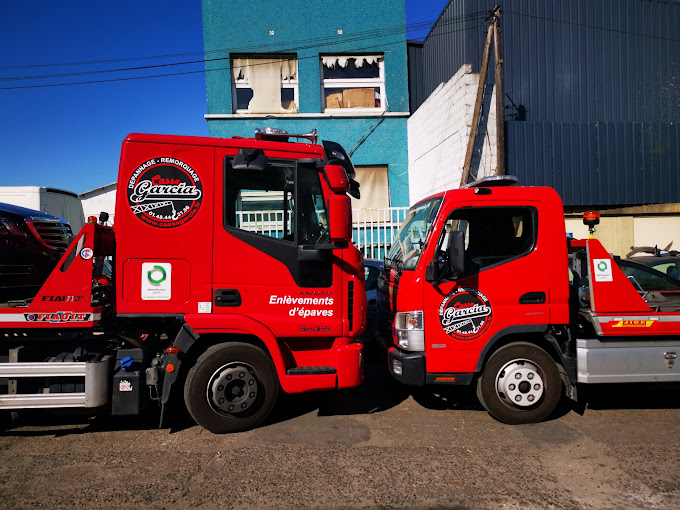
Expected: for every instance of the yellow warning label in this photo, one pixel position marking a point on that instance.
(633, 324)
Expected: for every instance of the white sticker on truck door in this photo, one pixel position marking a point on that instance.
(156, 281)
(603, 270)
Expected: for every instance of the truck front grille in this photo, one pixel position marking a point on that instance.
(52, 233)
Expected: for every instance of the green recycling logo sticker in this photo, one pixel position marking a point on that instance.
(156, 281)
(603, 270)
(157, 275)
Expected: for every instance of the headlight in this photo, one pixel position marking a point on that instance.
(409, 330)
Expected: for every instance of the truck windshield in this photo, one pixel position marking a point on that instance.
(408, 246)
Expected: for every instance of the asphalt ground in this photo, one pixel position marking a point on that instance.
(377, 446)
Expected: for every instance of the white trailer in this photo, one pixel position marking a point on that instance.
(57, 202)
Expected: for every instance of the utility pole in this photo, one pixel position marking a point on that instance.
(500, 126)
(494, 33)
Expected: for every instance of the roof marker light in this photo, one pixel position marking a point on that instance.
(590, 219)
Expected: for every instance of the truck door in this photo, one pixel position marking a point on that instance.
(502, 289)
(271, 253)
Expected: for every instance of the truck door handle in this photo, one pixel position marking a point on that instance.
(227, 297)
(532, 298)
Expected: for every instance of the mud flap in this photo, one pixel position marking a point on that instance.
(184, 340)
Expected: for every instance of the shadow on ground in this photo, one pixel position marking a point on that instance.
(378, 393)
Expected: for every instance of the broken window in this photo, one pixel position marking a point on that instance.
(353, 82)
(264, 84)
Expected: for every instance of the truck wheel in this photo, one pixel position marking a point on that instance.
(232, 387)
(520, 384)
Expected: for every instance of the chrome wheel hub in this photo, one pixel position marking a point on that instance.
(233, 388)
(519, 383)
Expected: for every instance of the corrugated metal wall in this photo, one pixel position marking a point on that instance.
(416, 83)
(598, 163)
(597, 82)
(577, 60)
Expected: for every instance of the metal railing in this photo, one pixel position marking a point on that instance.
(372, 229)
(269, 223)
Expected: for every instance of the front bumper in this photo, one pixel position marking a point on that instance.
(350, 365)
(412, 366)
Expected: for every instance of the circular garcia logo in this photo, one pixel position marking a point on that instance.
(465, 314)
(165, 192)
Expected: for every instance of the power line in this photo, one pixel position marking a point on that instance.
(254, 49)
(626, 32)
(182, 73)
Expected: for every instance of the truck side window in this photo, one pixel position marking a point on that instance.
(493, 234)
(265, 202)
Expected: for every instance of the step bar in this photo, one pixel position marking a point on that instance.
(96, 394)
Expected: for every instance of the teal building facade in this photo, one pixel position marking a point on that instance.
(337, 67)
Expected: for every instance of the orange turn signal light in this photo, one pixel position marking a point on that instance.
(170, 368)
(92, 219)
(173, 349)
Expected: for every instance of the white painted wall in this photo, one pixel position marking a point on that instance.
(438, 133)
(102, 199)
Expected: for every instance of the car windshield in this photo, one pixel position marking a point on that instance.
(649, 279)
(410, 241)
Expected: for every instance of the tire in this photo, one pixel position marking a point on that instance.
(520, 384)
(231, 388)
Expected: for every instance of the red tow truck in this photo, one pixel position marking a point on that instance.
(482, 286)
(232, 275)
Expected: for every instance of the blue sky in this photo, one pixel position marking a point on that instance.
(69, 137)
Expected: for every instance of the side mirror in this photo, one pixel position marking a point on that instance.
(340, 218)
(456, 252)
(337, 178)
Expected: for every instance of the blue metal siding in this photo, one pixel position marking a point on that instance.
(415, 73)
(582, 60)
(598, 163)
(599, 81)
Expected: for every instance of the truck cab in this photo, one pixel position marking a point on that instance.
(234, 276)
(482, 287)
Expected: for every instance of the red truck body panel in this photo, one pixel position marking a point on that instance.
(618, 309)
(64, 300)
(496, 289)
(170, 214)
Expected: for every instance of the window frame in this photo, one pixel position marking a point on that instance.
(474, 270)
(334, 83)
(293, 218)
(243, 84)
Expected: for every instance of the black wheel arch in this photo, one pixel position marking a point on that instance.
(537, 334)
(193, 345)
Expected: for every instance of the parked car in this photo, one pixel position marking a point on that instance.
(648, 277)
(31, 244)
(666, 264)
(664, 260)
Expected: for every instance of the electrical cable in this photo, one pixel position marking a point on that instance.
(129, 78)
(305, 43)
(590, 26)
